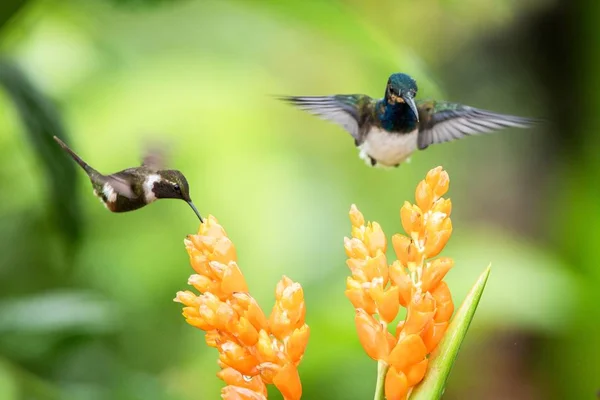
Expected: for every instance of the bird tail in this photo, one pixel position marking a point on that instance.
(82, 163)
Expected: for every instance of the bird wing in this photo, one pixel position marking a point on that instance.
(120, 183)
(443, 122)
(343, 109)
(155, 155)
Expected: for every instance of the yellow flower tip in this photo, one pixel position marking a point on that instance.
(287, 381)
(396, 385)
(439, 180)
(241, 393)
(372, 336)
(356, 217)
(289, 310)
(186, 298)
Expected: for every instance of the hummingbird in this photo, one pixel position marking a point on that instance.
(389, 130)
(133, 188)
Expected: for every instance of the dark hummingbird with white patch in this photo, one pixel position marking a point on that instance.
(133, 188)
(389, 130)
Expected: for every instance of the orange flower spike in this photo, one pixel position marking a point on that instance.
(287, 381)
(238, 357)
(412, 218)
(396, 385)
(435, 272)
(443, 303)
(409, 351)
(296, 343)
(240, 393)
(372, 336)
(234, 378)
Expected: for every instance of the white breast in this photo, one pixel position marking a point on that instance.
(388, 149)
(148, 186)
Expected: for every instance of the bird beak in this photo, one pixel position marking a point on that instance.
(411, 103)
(195, 210)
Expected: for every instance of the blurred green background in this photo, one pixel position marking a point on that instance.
(86, 307)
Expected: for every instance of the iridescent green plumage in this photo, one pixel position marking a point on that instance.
(390, 129)
(134, 188)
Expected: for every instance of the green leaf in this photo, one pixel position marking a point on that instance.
(432, 387)
(42, 121)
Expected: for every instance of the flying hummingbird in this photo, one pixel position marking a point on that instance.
(388, 131)
(134, 188)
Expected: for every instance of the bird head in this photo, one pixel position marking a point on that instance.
(401, 88)
(173, 185)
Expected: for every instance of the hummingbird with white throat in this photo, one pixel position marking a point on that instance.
(388, 130)
(133, 188)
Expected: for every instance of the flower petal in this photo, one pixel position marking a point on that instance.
(372, 336)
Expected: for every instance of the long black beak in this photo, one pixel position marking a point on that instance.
(195, 210)
(411, 103)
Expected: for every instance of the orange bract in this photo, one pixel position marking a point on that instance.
(377, 289)
(253, 350)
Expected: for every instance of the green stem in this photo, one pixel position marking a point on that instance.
(382, 368)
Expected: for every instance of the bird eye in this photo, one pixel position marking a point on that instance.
(177, 188)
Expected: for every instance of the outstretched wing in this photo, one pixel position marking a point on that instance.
(343, 109)
(154, 156)
(442, 122)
